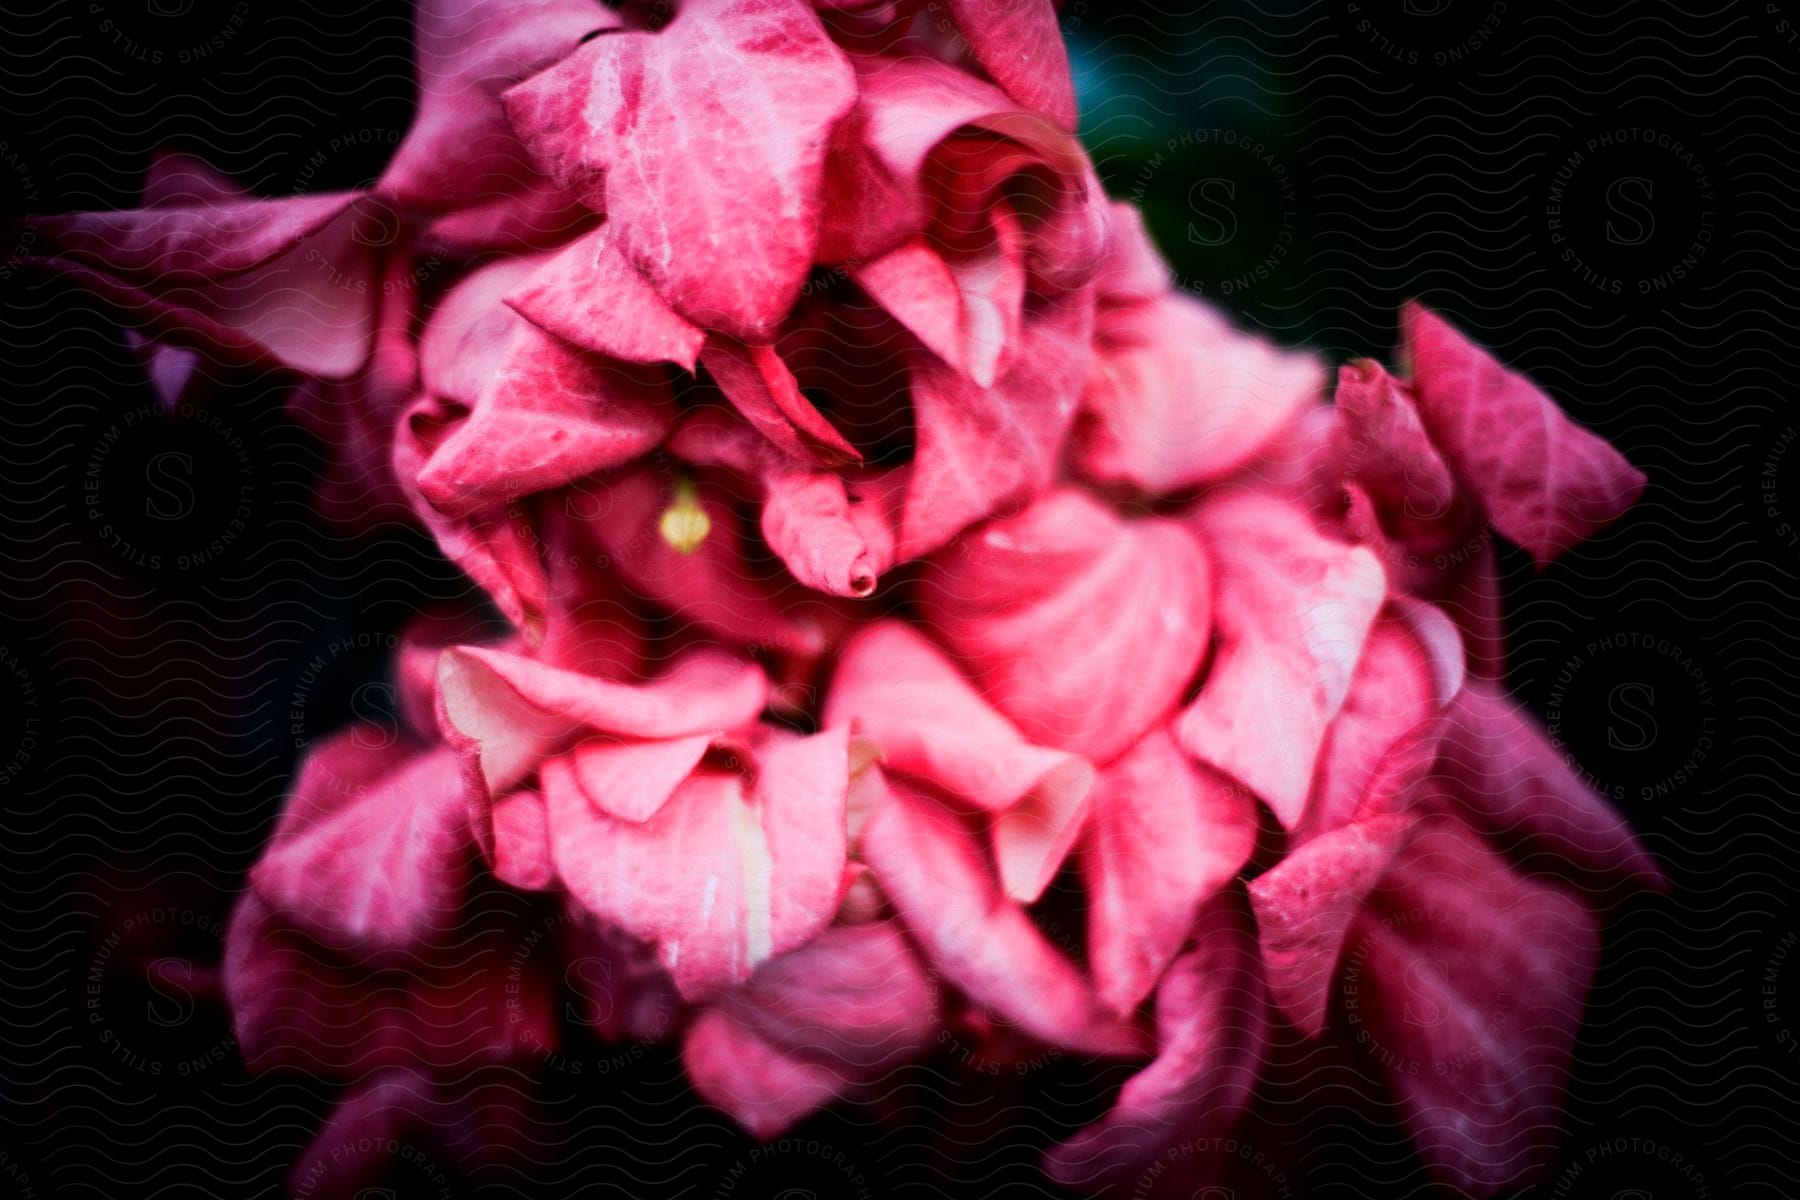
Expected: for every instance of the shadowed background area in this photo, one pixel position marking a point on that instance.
(1604, 194)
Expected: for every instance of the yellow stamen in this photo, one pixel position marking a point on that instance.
(684, 523)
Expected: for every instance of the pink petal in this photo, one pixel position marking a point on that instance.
(1167, 834)
(389, 867)
(534, 214)
(931, 867)
(170, 369)
(510, 710)
(1471, 981)
(590, 624)
(1083, 628)
(1176, 397)
(762, 389)
(902, 693)
(544, 413)
(591, 294)
(294, 280)
(721, 879)
(522, 842)
(874, 193)
(718, 587)
(1304, 907)
(422, 640)
(212, 237)
(1385, 446)
(1547, 483)
(466, 52)
(830, 1019)
(177, 178)
(721, 213)
(1131, 268)
(1498, 771)
(489, 547)
(830, 542)
(1293, 611)
(1211, 1024)
(966, 309)
(356, 417)
(633, 780)
(470, 334)
(298, 1004)
(1019, 44)
(1411, 666)
(979, 449)
(765, 1089)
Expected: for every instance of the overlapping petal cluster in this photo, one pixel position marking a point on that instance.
(888, 556)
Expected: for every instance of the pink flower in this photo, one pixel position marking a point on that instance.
(892, 560)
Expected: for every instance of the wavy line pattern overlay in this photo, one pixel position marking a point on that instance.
(1605, 194)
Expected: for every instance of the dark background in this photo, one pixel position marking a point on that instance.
(1604, 193)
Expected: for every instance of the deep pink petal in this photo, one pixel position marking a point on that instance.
(719, 585)
(1411, 666)
(1470, 981)
(510, 710)
(1293, 609)
(355, 417)
(1019, 44)
(387, 868)
(295, 280)
(298, 1004)
(1167, 833)
(725, 876)
(830, 542)
(900, 691)
(542, 413)
(460, 149)
(1131, 268)
(534, 215)
(633, 780)
(1304, 906)
(489, 547)
(590, 293)
(1211, 1023)
(1083, 628)
(1176, 397)
(1547, 483)
(979, 449)
(1386, 448)
(965, 308)
(722, 212)
(931, 867)
(875, 198)
(760, 386)
(833, 530)
(522, 842)
(827, 1020)
(1498, 771)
